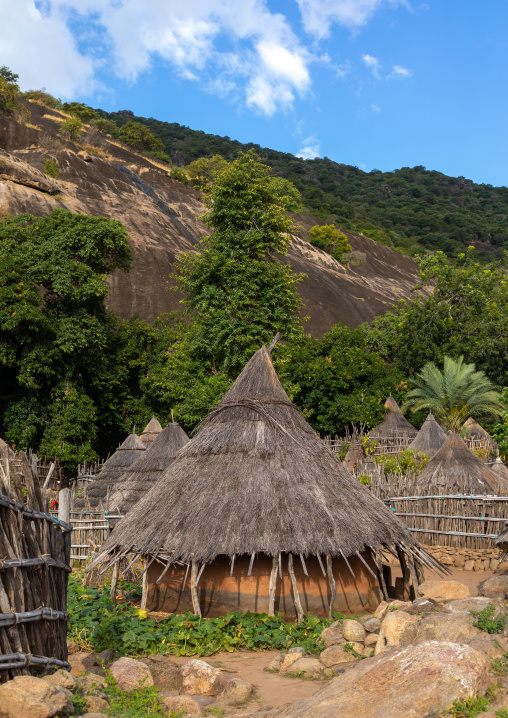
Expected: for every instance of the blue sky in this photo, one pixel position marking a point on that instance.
(373, 83)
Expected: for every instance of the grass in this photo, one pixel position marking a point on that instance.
(500, 665)
(486, 621)
(472, 706)
(55, 119)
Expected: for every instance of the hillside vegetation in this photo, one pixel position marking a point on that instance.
(408, 209)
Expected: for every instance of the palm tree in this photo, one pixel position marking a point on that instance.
(454, 393)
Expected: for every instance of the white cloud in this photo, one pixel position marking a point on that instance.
(399, 73)
(375, 108)
(310, 150)
(319, 15)
(372, 63)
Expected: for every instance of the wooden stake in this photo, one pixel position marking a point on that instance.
(333, 584)
(296, 595)
(144, 594)
(114, 580)
(414, 577)
(64, 505)
(273, 586)
(194, 591)
(379, 565)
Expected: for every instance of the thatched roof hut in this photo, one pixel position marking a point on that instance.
(394, 425)
(96, 493)
(430, 438)
(500, 469)
(354, 457)
(255, 488)
(147, 469)
(150, 432)
(455, 469)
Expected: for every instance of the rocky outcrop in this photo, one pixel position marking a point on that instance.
(162, 217)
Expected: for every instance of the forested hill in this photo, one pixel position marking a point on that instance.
(403, 209)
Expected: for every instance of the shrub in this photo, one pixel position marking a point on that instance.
(179, 175)
(364, 479)
(139, 137)
(72, 128)
(78, 109)
(330, 239)
(486, 621)
(402, 463)
(8, 96)
(107, 127)
(162, 156)
(51, 168)
(44, 98)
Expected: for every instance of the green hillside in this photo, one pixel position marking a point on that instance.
(404, 209)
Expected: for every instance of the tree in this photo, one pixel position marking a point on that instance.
(84, 112)
(500, 430)
(204, 171)
(330, 239)
(454, 394)
(9, 91)
(139, 137)
(72, 128)
(9, 76)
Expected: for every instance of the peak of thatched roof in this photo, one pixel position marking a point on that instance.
(475, 431)
(392, 405)
(354, 456)
(499, 468)
(256, 478)
(147, 469)
(394, 425)
(430, 438)
(126, 454)
(455, 469)
(151, 431)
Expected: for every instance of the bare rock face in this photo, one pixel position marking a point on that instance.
(475, 603)
(130, 674)
(495, 587)
(410, 682)
(61, 678)
(454, 627)
(199, 678)
(29, 697)
(444, 591)
(398, 629)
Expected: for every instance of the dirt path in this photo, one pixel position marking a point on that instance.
(471, 579)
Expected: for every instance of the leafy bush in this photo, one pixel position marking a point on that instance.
(139, 137)
(51, 168)
(179, 175)
(8, 96)
(364, 479)
(401, 463)
(472, 706)
(44, 98)
(84, 112)
(330, 239)
(107, 127)
(486, 621)
(161, 156)
(72, 128)
(500, 665)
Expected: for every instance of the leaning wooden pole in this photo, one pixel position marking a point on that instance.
(114, 580)
(144, 593)
(333, 584)
(296, 595)
(273, 586)
(194, 590)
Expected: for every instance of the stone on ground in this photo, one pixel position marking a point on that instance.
(445, 626)
(30, 697)
(275, 664)
(371, 639)
(307, 667)
(91, 682)
(182, 705)
(83, 663)
(475, 603)
(229, 688)
(199, 678)
(336, 656)
(288, 661)
(353, 631)
(372, 625)
(495, 587)
(130, 674)
(398, 629)
(166, 676)
(381, 610)
(332, 635)
(414, 681)
(444, 591)
(61, 678)
(96, 704)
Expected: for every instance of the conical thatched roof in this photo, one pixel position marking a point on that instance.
(150, 432)
(148, 468)
(256, 478)
(430, 438)
(455, 469)
(354, 457)
(111, 471)
(394, 425)
(500, 469)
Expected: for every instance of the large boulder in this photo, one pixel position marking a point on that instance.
(130, 674)
(353, 632)
(495, 587)
(454, 627)
(409, 682)
(61, 678)
(83, 663)
(229, 688)
(182, 705)
(475, 603)
(332, 635)
(199, 678)
(336, 657)
(30, 697)
(166, 675)
(397, 629)
(444, 591)
(307, 667)
(290, 658)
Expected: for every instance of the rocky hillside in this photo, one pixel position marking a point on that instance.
(101, 177)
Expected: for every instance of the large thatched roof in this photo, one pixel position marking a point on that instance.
(111, 471)
(499, 468)
(150, 432)
(148, 468)
(430, 438)
(394, 425)
(256, 478)
(455, 469)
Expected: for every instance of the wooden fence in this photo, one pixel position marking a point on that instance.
(89, 528)
(385, 446)
(35, 549)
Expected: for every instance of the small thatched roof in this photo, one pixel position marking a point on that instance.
(150, 432)
(455, 469)
(148, 468)
(430, 438)
(499, 468)
(394, 425)
(354, 457)
(475, 431)
(256, 478)
(111, 471)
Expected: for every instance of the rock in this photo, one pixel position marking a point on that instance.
(398, 629)
(409, 682)
(381, 610)
(181, 705)
(447, 560)
(288, 661)
(494, 563)
(96, 704)
(332, 635)
(367, 651)
(306, 667)
(91, 682)
(446, 626)
(105, 656)
(61, 678)
(94, 715)
(478, 565)
(72, 647)
(199, 678)
(336, 656)
(130, 674)
(373, 625)
(487, 644)
(30, 697)
(166, 676)
(353, 632)
(371, 639)
(82, 663)
(469, 565)
(459, 561)
(275, 664)
(228, 688)
(399, 605)
(296, 649)
(421, 607)
(355, 646)
(444, 591)
(495, 587)
(475, 603)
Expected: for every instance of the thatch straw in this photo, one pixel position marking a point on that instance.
(256, 478)
(147, 469)
(394, 425)
(430, 438)
(150, 432)
(455, 469)
(354, 457)
(500, 469)
(126, 454)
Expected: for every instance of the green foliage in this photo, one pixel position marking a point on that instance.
(44, 98)
(364, 479)
(161, 156)
(94, 618)
(139, 137)
(178, 174)
(487, 621)
(500, 430)
(289, 197)
(330, 239)
(51, 167)
(454, 394)
(78, 109)
(142, 702)
(502, 713)
(471, 707)
(107, 127)
(8, 96)
(72, 128)
(402, 463)
(500, 665)
(203, 172)
(7, 75)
